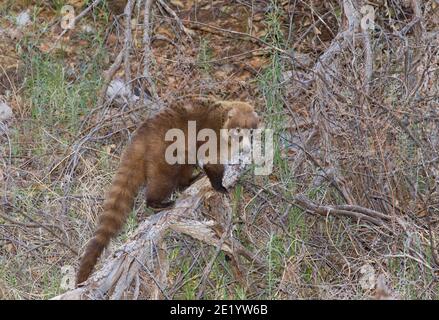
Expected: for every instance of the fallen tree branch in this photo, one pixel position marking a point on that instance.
(368, 60)
(352, 211)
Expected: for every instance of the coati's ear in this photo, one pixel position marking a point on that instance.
(216, 103)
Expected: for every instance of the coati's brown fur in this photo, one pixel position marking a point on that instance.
(143, 162)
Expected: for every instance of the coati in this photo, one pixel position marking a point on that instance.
(143, 162)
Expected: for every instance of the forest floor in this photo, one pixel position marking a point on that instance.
(356, 123)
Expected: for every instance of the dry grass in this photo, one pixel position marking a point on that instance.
(343, 137)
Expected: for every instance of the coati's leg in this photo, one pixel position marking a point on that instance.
(158, 192)
(185, 176)
(215, 173)
(195, 177)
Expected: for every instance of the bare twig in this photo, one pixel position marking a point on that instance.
(171, 12)
(349, 211)
(368, 68)
(128, 42)
(147, 55)
(108, 75)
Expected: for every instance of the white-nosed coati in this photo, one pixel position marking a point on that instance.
(143, 162)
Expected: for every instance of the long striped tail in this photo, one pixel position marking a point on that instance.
(117, 206)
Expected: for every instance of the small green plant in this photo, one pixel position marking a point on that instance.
(205, 54)
(271, 88)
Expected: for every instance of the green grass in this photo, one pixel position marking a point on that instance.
(274, 261)
(297, 224)
(56, 94)
(272, 92)
(129, 226)
(189, 289)
(56, 100)
(51, 282)
(205, 54)
(9, 279)
(21, 278)
(61, 93)
(219, 276)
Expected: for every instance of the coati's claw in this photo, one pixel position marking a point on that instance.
(221, 189)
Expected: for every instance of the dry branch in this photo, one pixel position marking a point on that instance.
(125, 54)
(108, 75)
(352, 211)
(172, 13)
(323, 70)
(128, 42)
(368, 59)
(147, 55)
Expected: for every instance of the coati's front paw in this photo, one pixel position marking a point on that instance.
(220, 188)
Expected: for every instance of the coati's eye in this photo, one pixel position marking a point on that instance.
(234, 132)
